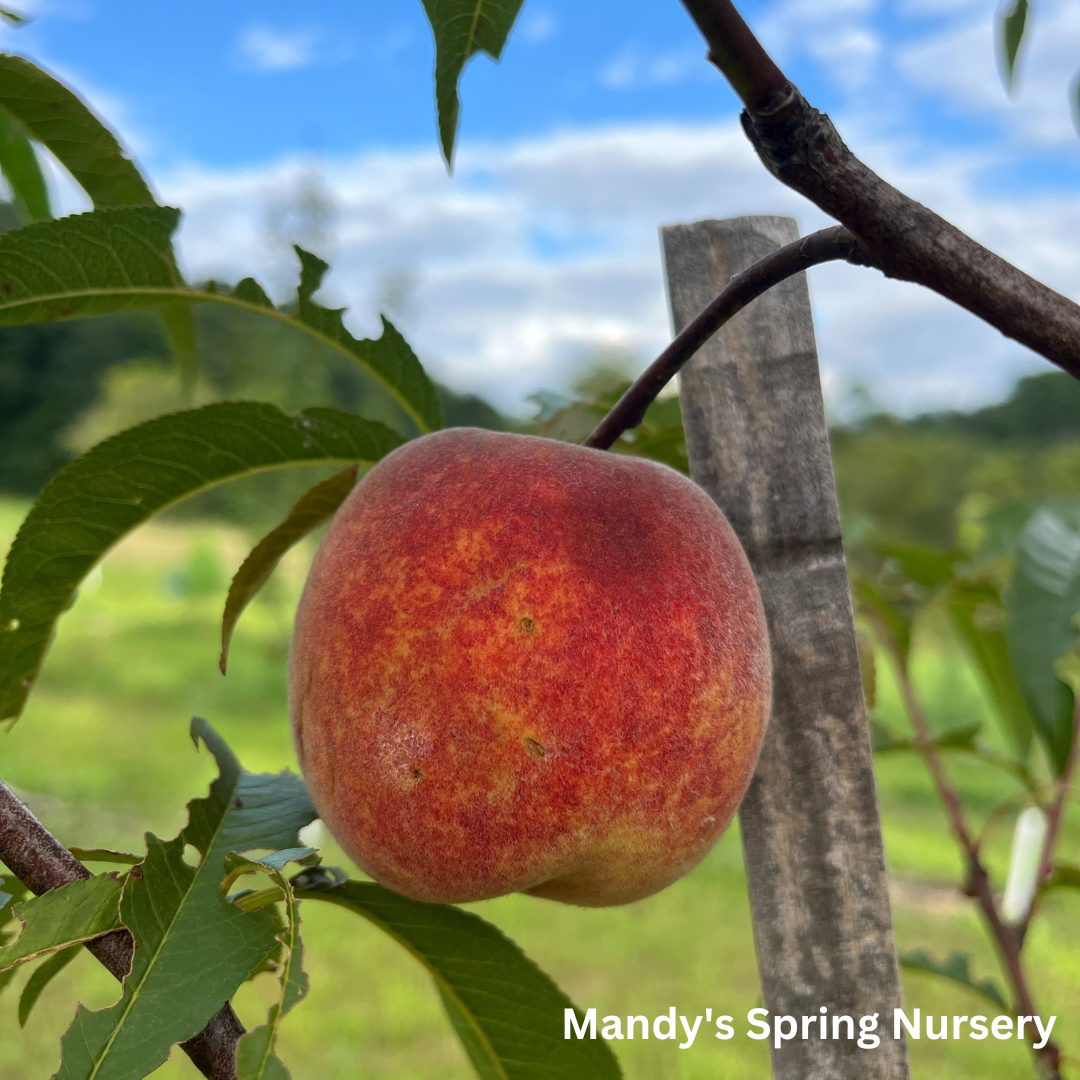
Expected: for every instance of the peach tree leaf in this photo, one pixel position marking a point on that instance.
(309, 512)
(55, 117)
(255, 1057)
(462, 28)
(1012, 24)
(121, 258)
(105, 855)
(193, 947)
(1041, 603)
(45, 973)
(507, 1012)
(117, 485)
(72, 913)
(978, 615)
(22, 170)
(956, 969)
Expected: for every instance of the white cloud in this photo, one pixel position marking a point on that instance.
(266, 49)
(634, 68)
(540, 251)
(536, 27)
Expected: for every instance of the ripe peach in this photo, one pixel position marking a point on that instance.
(522, 665)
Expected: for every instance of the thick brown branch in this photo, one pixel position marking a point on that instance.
(819, 247)
(899, 236)
(42, 863)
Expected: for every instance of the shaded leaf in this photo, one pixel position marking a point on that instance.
(890, 619)
(255, 1058)
(956, 969)
(53, 116)
(78, 911)
(927, 566)
(194, 948)
(883, 740)
(106, 855)
(509, 1014)
(115, 260)
(1011, 26)
(668, 445)
(958, 738)
(1042, 600)
(462, 28)
(117, 485)
(22, 170)
(867, 666)
(978, 614)
(308, 513)
(1064, 876)
(45, 973)
(179, 322)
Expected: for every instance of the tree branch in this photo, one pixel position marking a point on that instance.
(828, 244)
(42, 863)
(899, 236)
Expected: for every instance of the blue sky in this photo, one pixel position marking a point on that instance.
(602, 122)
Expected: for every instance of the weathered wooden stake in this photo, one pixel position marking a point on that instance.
(758, 444)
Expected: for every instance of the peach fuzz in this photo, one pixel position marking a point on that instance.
(524, 665)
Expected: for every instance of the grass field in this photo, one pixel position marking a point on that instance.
(102, 754)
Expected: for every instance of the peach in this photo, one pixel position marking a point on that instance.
(523, 665)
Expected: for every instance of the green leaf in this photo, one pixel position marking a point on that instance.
(954, 968)
(116, 260)
(308, 513)
(14, 17)
(41, 978)
(883, 740)
(1064, 876)
(462, 28)
(891, 619)
(668, 445)
(76, 912)
(56, 118)
(1042, 600)
(179, 319)
(22, 170)
(117, 485)
(978, 614)
(509, 1014)
(1011, 26)
(388, 357)
(106, 855)
(255, 1059)
(927, 566)
(867, 665)
(193, 948)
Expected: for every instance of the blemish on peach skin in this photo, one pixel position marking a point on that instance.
(571, 644)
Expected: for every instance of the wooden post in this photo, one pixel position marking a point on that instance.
(758, 444)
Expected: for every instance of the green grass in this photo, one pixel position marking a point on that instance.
(102, 754)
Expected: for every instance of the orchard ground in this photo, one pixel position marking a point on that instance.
(103, 752)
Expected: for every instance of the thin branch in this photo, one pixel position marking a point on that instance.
(1008, 939)
(824, 246)
(899, 236)
(42, 863)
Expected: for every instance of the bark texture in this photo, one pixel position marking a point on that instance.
(758, 444)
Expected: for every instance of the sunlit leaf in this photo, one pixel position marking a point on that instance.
(956, 968)
(462, 28)
(45, 973)
(75, 912)
(53, 116)
(308, 513)
(193, 948)
(22, 170)
(509, 1014)
(117, 485)
(1042, 601)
